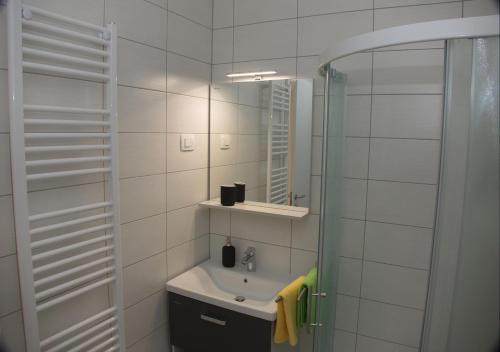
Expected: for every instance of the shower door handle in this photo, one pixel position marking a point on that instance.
(317, 325)
(319, 294)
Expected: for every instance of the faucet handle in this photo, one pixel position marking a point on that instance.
(250, 251)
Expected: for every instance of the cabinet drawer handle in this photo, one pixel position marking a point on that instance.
(213, 320)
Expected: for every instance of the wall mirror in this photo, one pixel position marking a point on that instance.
(260, 134)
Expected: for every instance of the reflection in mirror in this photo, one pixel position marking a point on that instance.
(260, 134)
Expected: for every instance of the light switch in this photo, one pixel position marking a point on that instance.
(187, 142)
(225, 141)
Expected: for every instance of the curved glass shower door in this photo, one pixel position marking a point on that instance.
(330, 209)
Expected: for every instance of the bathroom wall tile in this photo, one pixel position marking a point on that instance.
(145, 316)
(223, 117)
(401, 203)
(141, 110)
(178, 160)
(187, 255)
(9, 290)
(142, 154)
(355, 157)
(199, 10)
(339, 26)
(3, 40)
(250, 94)
(141, 66)
(394, 284)
(344, 341)
(144, 278)
(401, 15)
(222, 45)
(157, 341)
(305, 233)
(143, 238)
(139, 21)
(481, 8)
(410, 72)
(317, 153)
(188, 38)
(358, 69)
(351, 238)
(186, 114)
(307, 67)
(161, 3)
(186, 224)
(394, 3)
(349, 280)
(407, 116)
(368, 344)
(220, 222)
(346, 317)
(246, 12)
(186, 188)
(5, 170)
(319, 7)
(353, 198)
(141, 197)
(187, 76)
(13, 332)
(4, 99)
(391, 323)
(7, 237)
(405, 160)
(222, 91)
(318, 114)
(223, 13)
(258, 41)
(302, 262)
(261, 228)
(357, 116)
(399, 245)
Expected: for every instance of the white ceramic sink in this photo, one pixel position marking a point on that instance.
(211, 283)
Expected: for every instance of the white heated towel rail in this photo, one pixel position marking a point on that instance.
(70, 252)
(278, 143)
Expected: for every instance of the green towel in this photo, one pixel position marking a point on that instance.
(306, 305)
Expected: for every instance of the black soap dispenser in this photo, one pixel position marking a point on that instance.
(228, 254)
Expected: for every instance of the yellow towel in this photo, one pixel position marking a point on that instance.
(286, 329)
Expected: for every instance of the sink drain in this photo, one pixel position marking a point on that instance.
(239, 298)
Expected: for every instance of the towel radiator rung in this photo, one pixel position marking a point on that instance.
(64, 161)
(73, 294)
(71, 247)
(38, 230)
(51, 69)
(58, 174)
(41, 269)
(65, 109)
(67, 211)
(72, 329)
(64, 45)
(60, 122)
(71, 235)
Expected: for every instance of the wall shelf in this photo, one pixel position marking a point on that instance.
(267, 209)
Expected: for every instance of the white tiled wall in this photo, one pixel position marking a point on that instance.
(392, 147)
(164, 71)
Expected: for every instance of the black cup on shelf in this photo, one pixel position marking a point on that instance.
(240, 191)
(227, 195)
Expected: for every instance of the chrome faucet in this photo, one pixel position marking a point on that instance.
(249, 259)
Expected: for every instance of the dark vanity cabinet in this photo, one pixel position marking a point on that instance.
(201, 327)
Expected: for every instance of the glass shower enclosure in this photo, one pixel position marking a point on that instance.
(461, 312)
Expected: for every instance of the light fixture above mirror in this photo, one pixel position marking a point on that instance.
(257, 75)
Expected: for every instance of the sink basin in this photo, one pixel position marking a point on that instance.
(248, 293)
